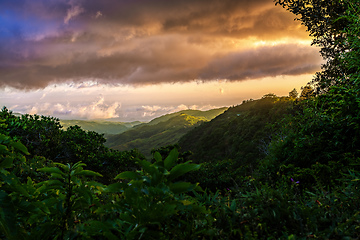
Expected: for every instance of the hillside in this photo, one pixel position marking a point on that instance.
(241, 133)
(161, 131)
(100, 126)
(207, 115)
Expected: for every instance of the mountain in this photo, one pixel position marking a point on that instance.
(101, 126)
(162, 131)
(240, 133)
(232, 145)
(207, 115)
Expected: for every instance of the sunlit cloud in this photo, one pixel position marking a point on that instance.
(98, 110)
(141, 59)
(93, 110)
(98, 14)
(72, 13)
(73, 101)
(156, 110)
(125, 42)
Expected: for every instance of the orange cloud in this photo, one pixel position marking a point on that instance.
(144, 42)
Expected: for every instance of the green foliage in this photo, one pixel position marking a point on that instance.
(101, 126)
(349, 60)
(320, 141)
(155, 134)
(69, 206)
(207, 115)
(232, 144)
(293, 93)
(324, 22)
(307, 92)
(44, 136)
(152, 199)
(302, 183)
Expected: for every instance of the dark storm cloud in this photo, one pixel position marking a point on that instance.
(264, 62)
(143, 42)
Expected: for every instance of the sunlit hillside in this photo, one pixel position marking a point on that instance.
(101, 126)
(161, 131)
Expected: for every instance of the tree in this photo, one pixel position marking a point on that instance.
(319, 142)
(351, 58)
(324, 22)
(307, 92)
(293, 93)
(269, 95)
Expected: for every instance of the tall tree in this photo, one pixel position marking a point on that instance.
(307, 92)
(293, 93)
(324, 22)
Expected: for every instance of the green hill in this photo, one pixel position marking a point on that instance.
(241, 133)
(101, 126)
(161, 131)
(207, 115)
(231, 145)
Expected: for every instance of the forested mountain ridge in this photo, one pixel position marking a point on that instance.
(108, 127)
(101, 126)
(207, 115)
(232, 144)
(146, 137)
(239, 131)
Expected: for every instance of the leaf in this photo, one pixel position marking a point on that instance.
(51, 170)
(7, 163)
(171, 159)
(198, 188)
(78, 165)
(42, 206)
(63, 166)
(89, 173)
(57, 175)
(128, 175)
(186, 202)
(115, 187)
(53, 182)
(181, 187)
(181, 169)
(3, 148)
(233, 205)
(157, 157)
(18, 188)
(148, 167)
(20, 146)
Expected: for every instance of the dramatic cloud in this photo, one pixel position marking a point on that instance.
(93, 100)
(143, 42)
(263, 62)
(73, 12)
(94, 110)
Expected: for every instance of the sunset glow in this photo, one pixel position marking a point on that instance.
(136, 60)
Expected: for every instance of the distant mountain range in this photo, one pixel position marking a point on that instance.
(161, 131)
(101, 126)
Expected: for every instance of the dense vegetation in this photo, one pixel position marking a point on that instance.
(101, 126)
(161, 131)
(231, 145)
(303, 182)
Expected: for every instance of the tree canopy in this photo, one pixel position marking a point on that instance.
(326, 23)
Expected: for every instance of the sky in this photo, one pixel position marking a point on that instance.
(139, 59)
